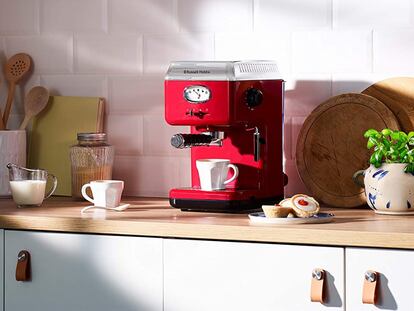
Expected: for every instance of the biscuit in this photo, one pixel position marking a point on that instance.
(304, 205)
(286, 203)
(276, 211)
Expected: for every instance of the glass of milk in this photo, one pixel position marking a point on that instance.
(28, 186)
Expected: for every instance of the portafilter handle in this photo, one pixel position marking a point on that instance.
(182, 141)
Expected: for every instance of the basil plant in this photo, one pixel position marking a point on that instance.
(391, 147)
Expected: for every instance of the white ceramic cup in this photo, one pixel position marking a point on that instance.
(213, 173)
(12, 150)
(106, 193)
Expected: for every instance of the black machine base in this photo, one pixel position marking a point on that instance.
(222, 206)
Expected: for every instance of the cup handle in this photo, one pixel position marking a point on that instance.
(236, 173)
(54, 186)
(85, 195)
(356, 180)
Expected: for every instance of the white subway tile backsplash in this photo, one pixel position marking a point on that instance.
(287, 138)
(139, 94)
(72, 16)
(272, 46)
(19, 17)
(303, 93)
(125, 133)
(332, 51)
(75, 85)
(159, 51)
(185, 172)
(50, 54)
(393, 51)
(143, 16)
(296, 125)
(293, 14)
(108, 54)
(120, 50)
(215, 15)
(354, 83)
(147, 176)
(295, 184)
(157, 137)
(371, 13)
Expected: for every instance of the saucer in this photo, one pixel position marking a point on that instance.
(119, 208)
(315, 219)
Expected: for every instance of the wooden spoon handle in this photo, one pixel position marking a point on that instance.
(25, 122)
(9, 102)
(2, 127)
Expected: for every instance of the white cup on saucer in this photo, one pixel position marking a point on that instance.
(213, 173)
(106, 193)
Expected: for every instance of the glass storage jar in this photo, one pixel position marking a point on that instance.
(91, 159)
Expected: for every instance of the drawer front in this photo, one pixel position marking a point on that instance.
(208, 275)
(395, 271)
(84, 272)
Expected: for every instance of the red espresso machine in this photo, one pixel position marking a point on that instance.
(235, 110)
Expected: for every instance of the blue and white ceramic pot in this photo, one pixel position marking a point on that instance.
(389, 190)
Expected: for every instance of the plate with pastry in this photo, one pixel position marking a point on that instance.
(299, 209)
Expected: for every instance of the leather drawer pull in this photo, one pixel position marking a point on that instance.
(369, 291)
(317, 286)
(23, 270)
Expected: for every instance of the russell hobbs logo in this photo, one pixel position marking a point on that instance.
(187, 71)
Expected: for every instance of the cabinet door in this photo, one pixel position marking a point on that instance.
(84, 272)
(208, 275)
(1, 269)
(395, 277)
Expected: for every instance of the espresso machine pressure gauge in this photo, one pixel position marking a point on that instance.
(197, 94)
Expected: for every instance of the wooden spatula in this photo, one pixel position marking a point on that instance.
(16, 68)
(34, 102)
(2, 127)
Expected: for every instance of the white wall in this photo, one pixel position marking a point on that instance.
(120, 49)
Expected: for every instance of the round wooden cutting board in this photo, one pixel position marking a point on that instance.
(398, 95)
(331, 146)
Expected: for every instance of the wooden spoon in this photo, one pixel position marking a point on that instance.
(34, 102)
(2, 127)
(16, 68)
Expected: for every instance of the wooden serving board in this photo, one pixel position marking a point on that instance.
(398, 95)
(331, 146)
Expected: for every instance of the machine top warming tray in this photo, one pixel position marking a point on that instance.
(223, 70)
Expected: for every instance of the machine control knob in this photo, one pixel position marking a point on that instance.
(254, 98)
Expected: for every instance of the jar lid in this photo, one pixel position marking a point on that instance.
(92, 136)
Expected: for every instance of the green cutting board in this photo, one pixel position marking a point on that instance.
(55, 130)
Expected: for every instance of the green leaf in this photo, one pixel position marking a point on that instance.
(403, 136)
(410, 135)
(371, 133)
(409, 168)
(378, 156)
(395, 135)
(386, 132)
(372, 141)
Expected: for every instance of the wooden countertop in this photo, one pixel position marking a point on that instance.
(154, 217)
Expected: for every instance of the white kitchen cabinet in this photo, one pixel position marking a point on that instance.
(209, 275)
(396, 275)
(84, 272)
(1, 270)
